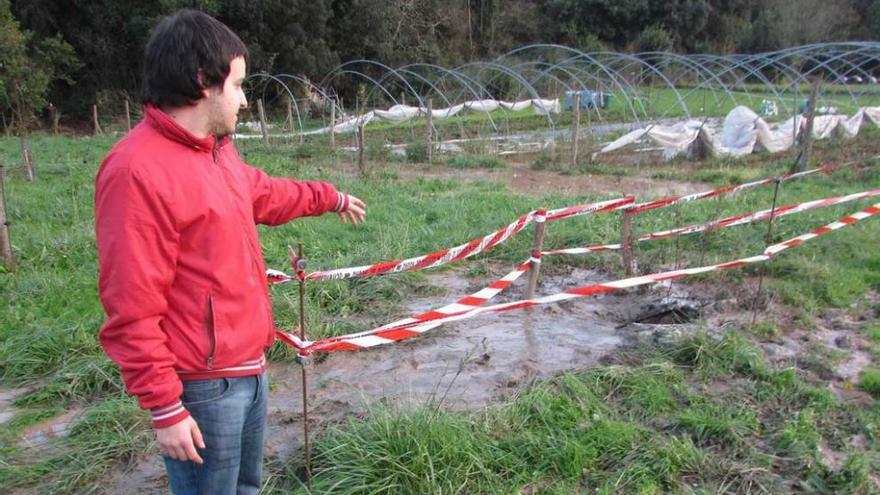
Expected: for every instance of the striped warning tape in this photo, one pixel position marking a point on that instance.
(415, 325)
(458, 253)
(394, 332)
(674, 200)
(731, 221)
(487, 242)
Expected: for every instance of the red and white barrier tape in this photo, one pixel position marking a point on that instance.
(732, 221)
(577, 210)
(674, 200)
(394, 332)
(458, 253)
(485, 243)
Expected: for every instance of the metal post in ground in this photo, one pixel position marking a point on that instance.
(430, 131)
(298, 263)
(767, 242)
(535, 254)
(261, 112)
(5, 241)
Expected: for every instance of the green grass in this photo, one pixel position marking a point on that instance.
(870, 381)
(486, 161)
(650, 426)
(644, 428)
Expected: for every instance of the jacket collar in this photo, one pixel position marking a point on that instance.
(165, 125)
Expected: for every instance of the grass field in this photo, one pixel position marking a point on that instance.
(709, 413)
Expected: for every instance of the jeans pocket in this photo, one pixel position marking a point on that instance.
(196, 392)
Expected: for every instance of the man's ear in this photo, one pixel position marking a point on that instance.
(200, 80)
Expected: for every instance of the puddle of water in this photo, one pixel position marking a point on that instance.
(7, 403)
(39, 435)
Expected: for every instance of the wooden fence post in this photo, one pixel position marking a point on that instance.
(127, 114)
(575, 129)
(95, 123)
(332, 123)
(362, 144)
(262, 114)
(290, 113)
(535, 256)
(626, 242)
(26, 156)
(430, 131)
(54, 116)
(803, 156)
(5, 242)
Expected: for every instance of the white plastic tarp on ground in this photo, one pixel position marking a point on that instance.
(742, 132)
(402, 113)
(397, 113)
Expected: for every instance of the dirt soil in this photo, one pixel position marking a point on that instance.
(519, 177)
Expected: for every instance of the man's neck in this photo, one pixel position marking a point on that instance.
(190, 118)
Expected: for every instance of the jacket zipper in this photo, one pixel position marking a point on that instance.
(215, 153)
(212, 333)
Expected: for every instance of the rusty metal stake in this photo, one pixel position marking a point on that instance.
(299, 265)
(778, 181)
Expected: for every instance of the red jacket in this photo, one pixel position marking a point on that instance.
(181, 268)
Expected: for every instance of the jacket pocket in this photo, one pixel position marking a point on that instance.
(211, 332)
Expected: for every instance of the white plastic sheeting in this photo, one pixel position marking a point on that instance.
(402, 113)
(742, 132)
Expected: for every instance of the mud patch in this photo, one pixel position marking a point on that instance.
(466, 365)
(521, 178)
(40, 435)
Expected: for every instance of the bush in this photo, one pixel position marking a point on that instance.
(417, 152)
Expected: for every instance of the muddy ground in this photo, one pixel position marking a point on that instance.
(520, 177)
(473, 364)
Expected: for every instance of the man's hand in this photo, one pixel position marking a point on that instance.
(179, 441)
(356, 211)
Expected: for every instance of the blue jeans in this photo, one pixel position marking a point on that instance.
(231, 414)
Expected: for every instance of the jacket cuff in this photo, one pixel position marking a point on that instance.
(170, 415)
(341, 202)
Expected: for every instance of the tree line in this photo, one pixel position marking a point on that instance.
(71, 54)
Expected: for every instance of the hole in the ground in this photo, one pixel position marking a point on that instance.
(667, 313)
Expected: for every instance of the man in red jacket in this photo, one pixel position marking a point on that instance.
(181, 267)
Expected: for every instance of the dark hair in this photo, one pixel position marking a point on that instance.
(181, 47)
